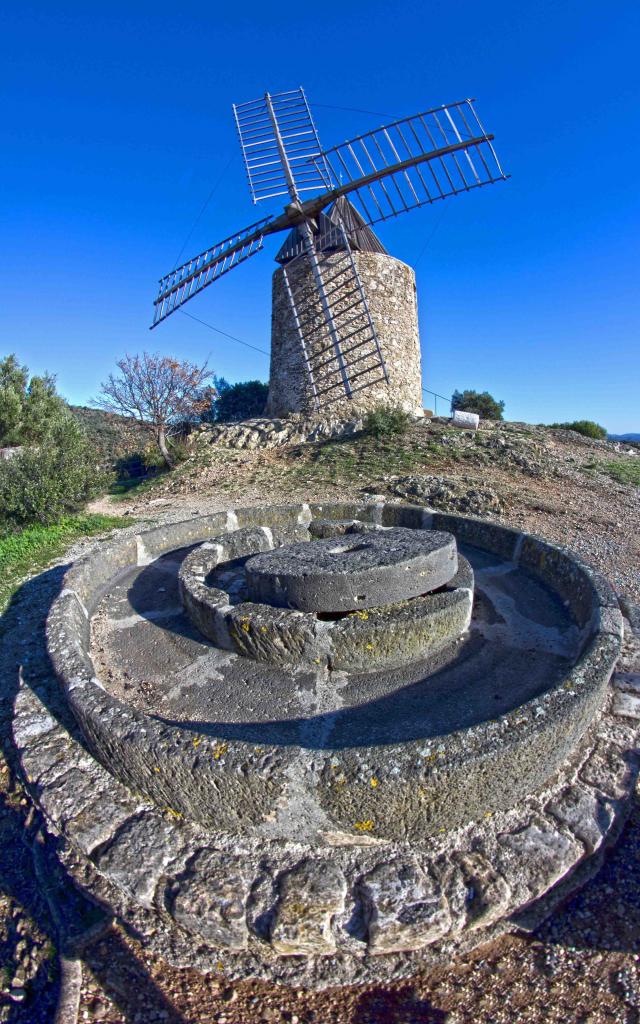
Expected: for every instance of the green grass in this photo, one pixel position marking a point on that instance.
(122, 490)
(359, 459)
(26, 552)
(627, 472)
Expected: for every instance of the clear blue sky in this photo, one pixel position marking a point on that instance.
(117, 123)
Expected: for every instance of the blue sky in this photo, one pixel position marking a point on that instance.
(117, 124)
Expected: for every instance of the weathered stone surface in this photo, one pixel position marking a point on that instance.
(362, 571)
(536, 857)
(209, 898)
(391, 296)
(323, 528)
(400, 633)
(277, 635)
(486, 894)
(71, 792)
(403, 906)
(263, 432)
(626, 694)
(610, 769)
(448, 494)
(587, 814)
(219, 779)
(309, 897)
(627, 704)
(137, 856)
(43, 751)
(31, 720)
(95, 823)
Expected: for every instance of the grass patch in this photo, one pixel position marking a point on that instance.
(627, 472)
(358, 459)
(122, 490)
(26, 552)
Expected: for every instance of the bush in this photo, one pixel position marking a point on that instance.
(26, 406)
(50, 479)
(386, 422)
(585, 427)
(240, 401)
(481, 402)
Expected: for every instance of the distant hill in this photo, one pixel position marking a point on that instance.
(623, 437)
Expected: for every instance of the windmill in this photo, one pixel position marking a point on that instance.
(332, 331)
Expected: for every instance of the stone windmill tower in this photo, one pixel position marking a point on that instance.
(390, 290)
(344, 323)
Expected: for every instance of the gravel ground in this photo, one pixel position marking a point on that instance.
(581, 966)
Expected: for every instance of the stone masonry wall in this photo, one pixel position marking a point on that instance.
(391, 291)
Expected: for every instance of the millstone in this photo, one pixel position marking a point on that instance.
(340, 574)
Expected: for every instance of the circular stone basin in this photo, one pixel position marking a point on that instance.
(340, 574)
(324, 754)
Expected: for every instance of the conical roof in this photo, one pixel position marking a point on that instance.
(361, 237)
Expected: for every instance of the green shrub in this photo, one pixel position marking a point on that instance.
(50, 479)
(480, 402)
(585, 427)
(234, 402)
(26, 406)
(385, 422)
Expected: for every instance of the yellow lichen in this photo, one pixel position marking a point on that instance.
(373, 782)
(364, 826)
(245, 627)
(220, 750)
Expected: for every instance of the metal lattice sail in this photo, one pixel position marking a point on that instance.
(390, 170)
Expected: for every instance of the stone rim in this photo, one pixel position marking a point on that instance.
(155, 757)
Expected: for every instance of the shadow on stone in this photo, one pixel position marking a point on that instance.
(605, 914)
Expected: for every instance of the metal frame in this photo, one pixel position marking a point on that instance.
(263, 147)
(393, 156)
(187, 280)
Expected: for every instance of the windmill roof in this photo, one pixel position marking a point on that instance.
(341, 212)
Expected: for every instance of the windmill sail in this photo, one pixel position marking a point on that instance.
(186, 281)
(280, 145)
(415, 161)
(399, 167)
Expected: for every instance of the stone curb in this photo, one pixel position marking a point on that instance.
(234, 901)
(231, 783)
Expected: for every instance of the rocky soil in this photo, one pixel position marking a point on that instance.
(582, 966)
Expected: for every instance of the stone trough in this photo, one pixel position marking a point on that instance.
(329, 743)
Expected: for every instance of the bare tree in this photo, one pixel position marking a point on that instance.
(159, 392)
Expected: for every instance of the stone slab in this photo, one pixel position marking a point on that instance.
(355, 572)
